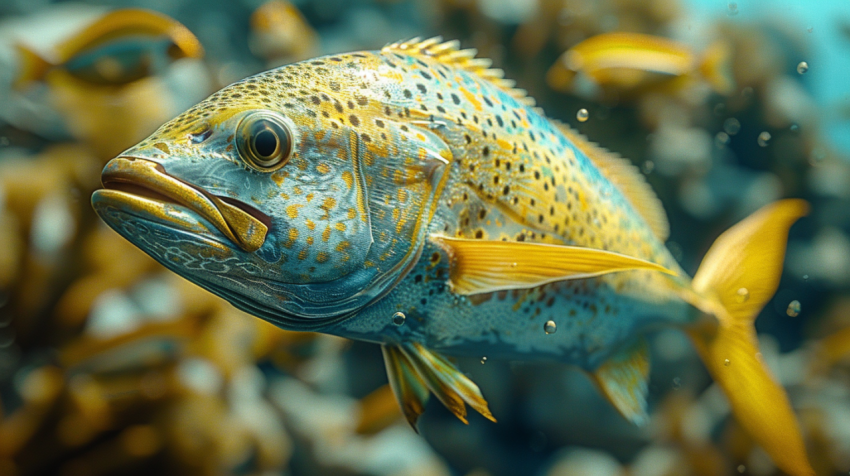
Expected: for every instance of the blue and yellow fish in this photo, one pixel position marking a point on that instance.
(413, 198)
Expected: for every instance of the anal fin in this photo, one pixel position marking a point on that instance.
(623, 381)
(413, 370)
(481, 266)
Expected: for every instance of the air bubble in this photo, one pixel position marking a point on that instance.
(741, 468)
(483, 360)
(733, 9)
(794, 128)
(731, 126)
(550, 327)
(764, 139)
(794, 308)
(727, 362)
(648, 167)
(802, 67)
(677, 383)
(582, 115)
(399, 318)
(721, 140)
(742, 295)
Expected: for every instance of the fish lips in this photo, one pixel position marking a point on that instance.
(141, 186)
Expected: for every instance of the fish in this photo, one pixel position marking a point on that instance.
(414, 198)
(118, 48)
(633, 61)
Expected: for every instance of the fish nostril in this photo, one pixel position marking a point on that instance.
(201, 135)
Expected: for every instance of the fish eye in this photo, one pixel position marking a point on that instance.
(264, 141)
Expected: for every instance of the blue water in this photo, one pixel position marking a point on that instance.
(828, 78)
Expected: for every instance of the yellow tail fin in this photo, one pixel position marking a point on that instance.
(738, 275)
(716, 67)
(32, 66)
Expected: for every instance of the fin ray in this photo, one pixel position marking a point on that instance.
(480, 266)
(409, 388)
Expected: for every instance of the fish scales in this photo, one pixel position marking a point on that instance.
(413, 198)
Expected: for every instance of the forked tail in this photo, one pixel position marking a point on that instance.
(738, 275)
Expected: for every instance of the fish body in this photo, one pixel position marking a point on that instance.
(413, 198)
(629, 62)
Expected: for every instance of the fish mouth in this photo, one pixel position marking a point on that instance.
(141, 182)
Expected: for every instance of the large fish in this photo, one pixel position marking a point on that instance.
(413, 198)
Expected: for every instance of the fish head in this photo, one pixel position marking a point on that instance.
(256, 197)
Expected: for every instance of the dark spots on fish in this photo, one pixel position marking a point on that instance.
(489, 122)
(358, 55)
(475, 118)
(354, 120)
(317, 63)
(379, 123)
(407, 94)
(496, 180)
(361, 100)
(467, 139)
(338, 107)
(500, 121)
(479, 234)
(425, 75)
(334, 86)
(417, 279)
(388, 111)
(325, 114)
(229, 138)
(350, 104)
(310, 113)
(366, 137)
(455, 99)
(532, 202)
(441, 109)
(251, 87)
(540, 219)
(163, 147)
(482, 213)
(485, 151)
(520, 237)
(236, 96)
(522, 168)
(546, 187)
(506, 190)
(421, 87)
(435, 258)
(404, 128)
(423, 301)
(335, 58)
(507, 165)
(536, 175)
(439, 96)
(325, 97)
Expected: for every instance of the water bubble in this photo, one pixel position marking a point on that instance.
(399, 318)
(727, 362)
(582, 115)
(742, 295)
(794, 127)
(731, 126)
(802, 67)
(810, 29)
(721, 140)
(550, 327)
(817, 156)
(733, 9)
(648, 167)
(677, 382)
(805, 277)
(794, 308)
(741, 468)
(483, 360)
(764, 139)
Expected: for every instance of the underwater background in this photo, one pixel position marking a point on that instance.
(109, 364)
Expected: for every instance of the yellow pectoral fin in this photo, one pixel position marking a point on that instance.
(481, 266)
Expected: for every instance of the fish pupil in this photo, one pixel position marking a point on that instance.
(265, 143)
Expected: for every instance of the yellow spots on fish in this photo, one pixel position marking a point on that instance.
(471, 98)
(327, 206)
(352, 213)
(309, 197)
(291, 238)
(326, 235)
(278, 177)
(396, 214)
(302, 255)
(310, 241)
(311, 225)
(322, 257)
(340, 226)
(348, 178)
(342, 246)
(297, 190)
(292, 210)
(323, 168)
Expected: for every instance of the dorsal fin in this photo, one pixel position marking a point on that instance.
(626, 176)
(449, 53)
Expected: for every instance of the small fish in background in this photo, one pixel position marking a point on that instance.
(412, 197)
(106, 80)
(280, 34)
(629, 62)
(120, 47)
